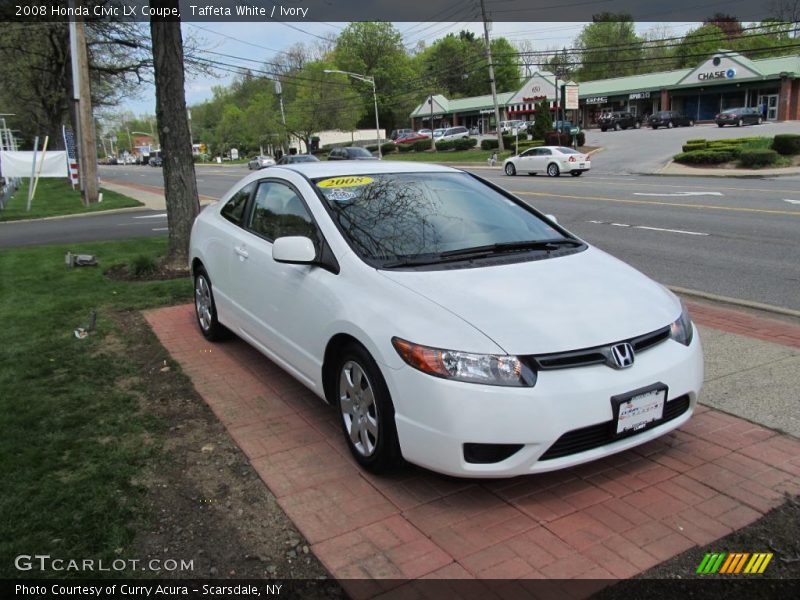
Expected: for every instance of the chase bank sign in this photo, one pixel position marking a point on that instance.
(712, 75)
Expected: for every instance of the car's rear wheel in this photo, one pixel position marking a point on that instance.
(511, 169)
(206, 309)
(553, 170)
(670, 125)
(366, 411)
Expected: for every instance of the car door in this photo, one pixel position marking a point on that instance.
(283, 305)
(525, 161)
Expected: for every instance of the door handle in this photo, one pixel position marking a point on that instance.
(241, 252)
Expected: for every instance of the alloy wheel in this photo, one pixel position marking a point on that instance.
(552, 170)
(203, 302)
(510, 170)
(358, 407)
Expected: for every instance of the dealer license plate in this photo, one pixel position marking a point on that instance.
(582, 165)
(641, 409)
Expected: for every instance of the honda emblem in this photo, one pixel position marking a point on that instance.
(622, 355)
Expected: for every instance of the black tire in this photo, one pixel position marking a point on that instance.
(553, 170)
(670, 125)
(385, 452)
(739, 123)
(654, 126)
(510, 169)
(603, 129)
(205, 309)
(576, 173)
(720, 124)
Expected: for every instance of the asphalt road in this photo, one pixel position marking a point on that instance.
(733, 237)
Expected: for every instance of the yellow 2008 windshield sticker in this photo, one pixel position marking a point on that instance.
(342, 182)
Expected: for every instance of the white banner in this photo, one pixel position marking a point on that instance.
(18, 164)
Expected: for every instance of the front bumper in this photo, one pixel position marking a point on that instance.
(436, 417)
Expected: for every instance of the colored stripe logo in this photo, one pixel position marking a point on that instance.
(734, 563)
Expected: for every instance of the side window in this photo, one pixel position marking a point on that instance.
(545, 152)
(235, 207)
(278, 212)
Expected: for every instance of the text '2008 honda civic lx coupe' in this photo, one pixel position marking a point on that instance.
(449, 323)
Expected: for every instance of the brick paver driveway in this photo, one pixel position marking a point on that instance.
(608, 519)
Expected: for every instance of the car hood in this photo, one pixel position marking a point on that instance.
(553, 305)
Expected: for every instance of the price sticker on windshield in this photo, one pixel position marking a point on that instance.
(343, 182)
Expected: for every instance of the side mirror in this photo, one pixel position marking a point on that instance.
(551, 217)
(294, 250)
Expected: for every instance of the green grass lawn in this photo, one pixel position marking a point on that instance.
(73, 435)
(56, 197)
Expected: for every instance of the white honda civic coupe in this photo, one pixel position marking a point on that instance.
(449, 323)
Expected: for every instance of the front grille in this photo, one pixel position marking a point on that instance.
(597, 354)
(595, 436)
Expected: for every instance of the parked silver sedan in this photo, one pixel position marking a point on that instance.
(552, 160)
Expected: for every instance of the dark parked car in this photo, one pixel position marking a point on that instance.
(619, 120)
(155, 161)
(289, 159)
(397, 133)
(739, 116)
(670, 119)
(350, 153)
(562, 126)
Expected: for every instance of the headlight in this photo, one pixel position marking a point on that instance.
(682, 330)
(489, 369)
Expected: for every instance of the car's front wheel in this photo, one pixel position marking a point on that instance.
(511, 169)
(366, 410)
(553, 170)
(670, 125)
(205, 308)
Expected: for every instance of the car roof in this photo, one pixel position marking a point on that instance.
(312, 170)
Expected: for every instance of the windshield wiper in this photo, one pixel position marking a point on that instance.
(481, 252)
(550, 244)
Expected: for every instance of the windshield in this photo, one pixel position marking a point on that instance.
(395, 216)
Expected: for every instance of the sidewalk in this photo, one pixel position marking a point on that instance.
(673, 168)
(612, 518)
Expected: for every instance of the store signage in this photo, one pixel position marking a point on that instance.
(533, 98)
(712, 75)
(597, 100)
(571, 97)
(639, 95)
(487, 111)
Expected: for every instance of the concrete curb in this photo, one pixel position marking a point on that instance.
(97, 213)
(671, 169)
(778, 310)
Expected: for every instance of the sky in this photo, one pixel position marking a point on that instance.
(262, 41)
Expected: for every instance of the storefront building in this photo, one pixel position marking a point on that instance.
(725, 80)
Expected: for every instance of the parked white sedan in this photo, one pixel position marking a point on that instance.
(448, 322)
(552, 160)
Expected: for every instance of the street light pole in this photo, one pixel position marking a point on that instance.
(371, 80)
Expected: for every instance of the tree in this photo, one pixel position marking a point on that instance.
(728, 24)
(180, 184)
(543, 120)
(700, 43)
(608, 47)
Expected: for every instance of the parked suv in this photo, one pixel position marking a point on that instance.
(739, 116)
(619, 120)
(670, 119)
(454, 133)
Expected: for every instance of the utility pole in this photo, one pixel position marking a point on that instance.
(87, 148)
(433, 139)
(491, 77)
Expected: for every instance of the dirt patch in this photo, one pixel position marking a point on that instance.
(159, 273)
(203, 501)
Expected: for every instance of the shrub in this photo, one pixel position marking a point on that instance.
(419, 145)
(142, 265)
(489, 144)
(690, 147)
(696, 141)
(465, 143)
(372, 148)
(787, 144)
(703, 157)
(758, 158)
(406, 147)
(388, 147)
(444, 145)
